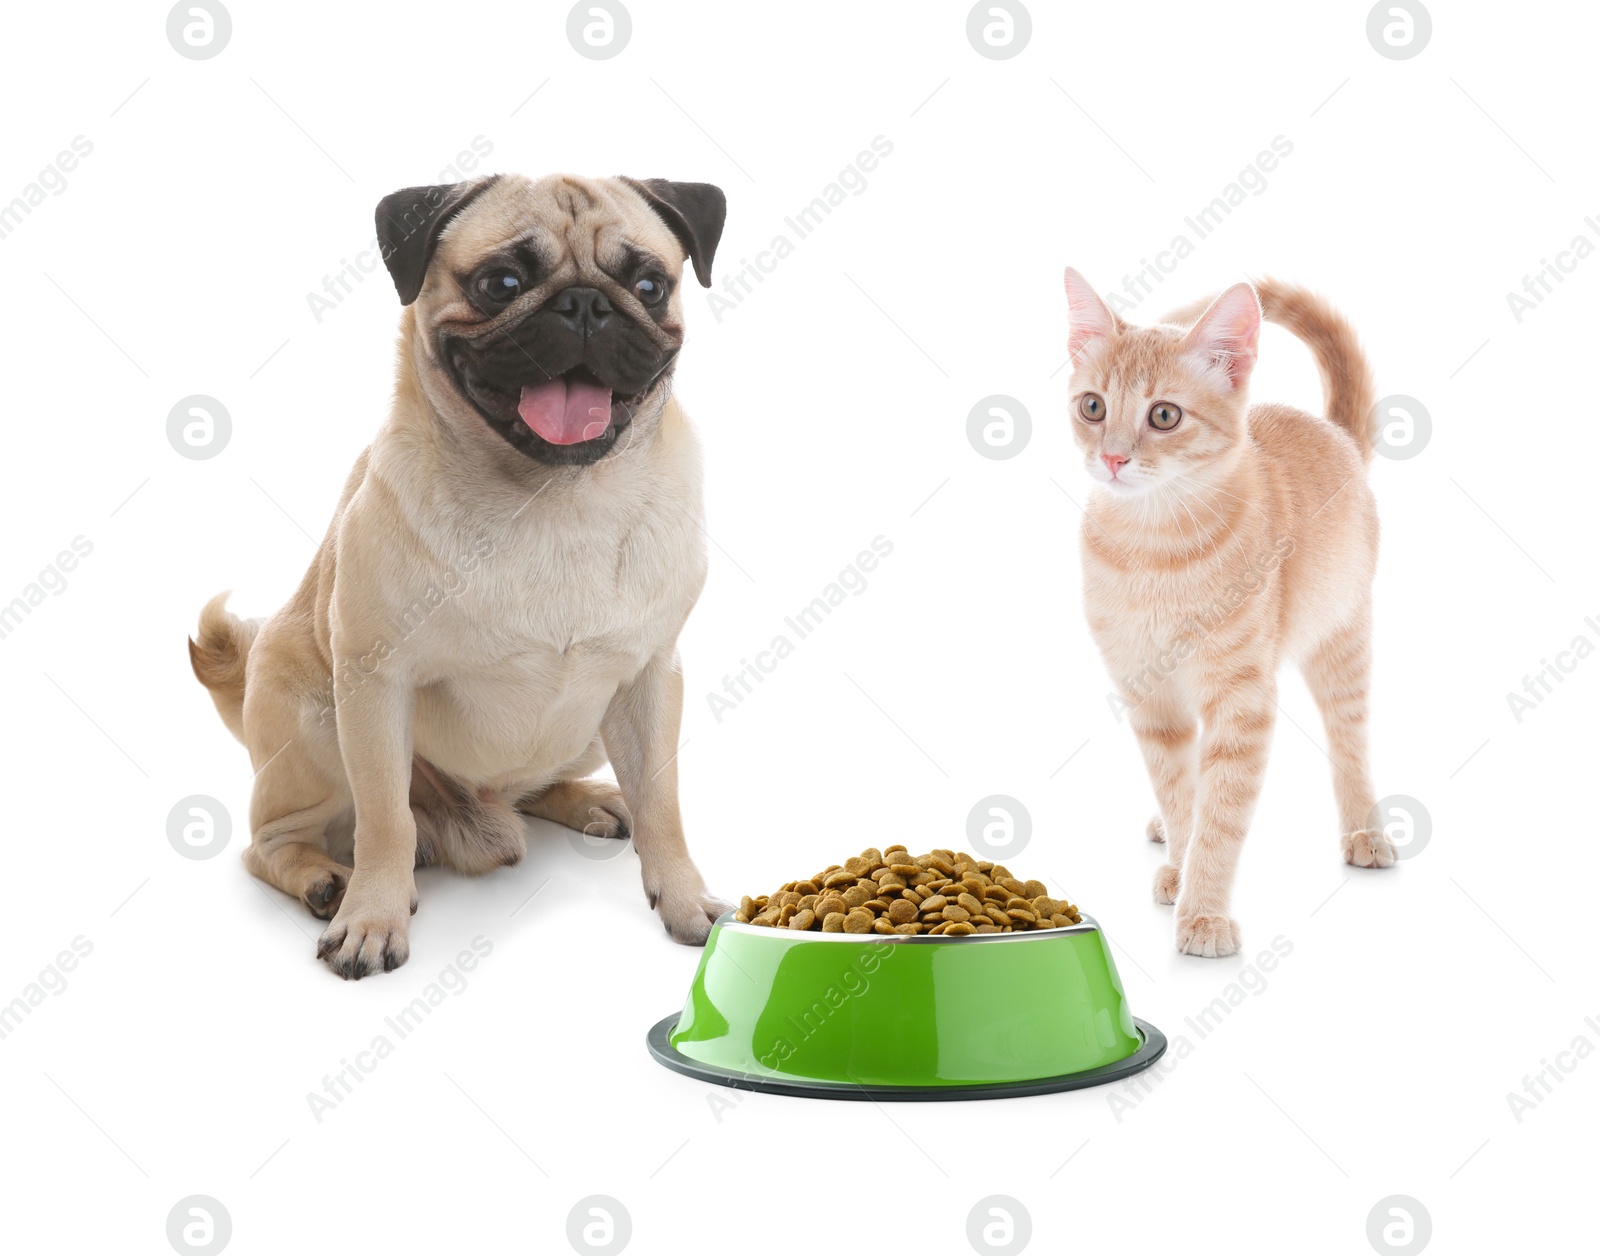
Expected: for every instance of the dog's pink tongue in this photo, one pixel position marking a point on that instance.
(565, 412)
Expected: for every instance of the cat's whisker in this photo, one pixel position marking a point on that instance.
(1217, 515)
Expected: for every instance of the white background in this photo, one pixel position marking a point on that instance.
(1378, 1057)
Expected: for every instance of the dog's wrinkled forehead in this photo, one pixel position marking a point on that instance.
(588, 225)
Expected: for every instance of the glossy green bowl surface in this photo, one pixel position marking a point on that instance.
(873, 1016)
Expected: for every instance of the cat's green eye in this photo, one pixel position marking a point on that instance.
(1091, 407)
(1164, 416)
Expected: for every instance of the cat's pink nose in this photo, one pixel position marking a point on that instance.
(1114, 462)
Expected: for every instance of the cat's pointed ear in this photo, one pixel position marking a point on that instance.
(1228, 333)
(1090, 318)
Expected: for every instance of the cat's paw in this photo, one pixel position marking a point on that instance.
(1210, 936)
(1368, 848)
(1156, 831)
(1166, 886)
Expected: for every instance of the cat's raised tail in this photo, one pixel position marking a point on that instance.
(1348, 390)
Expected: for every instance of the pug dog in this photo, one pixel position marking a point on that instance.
(493, 614)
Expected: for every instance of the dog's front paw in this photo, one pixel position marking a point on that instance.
(1210, 936)
(1166, 886)
(1368, 848)
(368, 936)
(688, 914)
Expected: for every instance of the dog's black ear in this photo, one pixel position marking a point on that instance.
(410, 222)
(694, 211)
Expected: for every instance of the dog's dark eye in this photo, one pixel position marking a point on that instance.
(650, 290)
(500, 287)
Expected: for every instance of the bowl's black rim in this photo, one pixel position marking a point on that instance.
(660, 1044)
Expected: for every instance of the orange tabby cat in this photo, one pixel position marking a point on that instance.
(1221, 541)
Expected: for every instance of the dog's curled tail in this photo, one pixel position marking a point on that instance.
(1348, 390)
(218, 656)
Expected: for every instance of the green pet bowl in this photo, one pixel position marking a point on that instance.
(873, 1016)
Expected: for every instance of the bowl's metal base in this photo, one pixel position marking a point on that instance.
(659, 1042)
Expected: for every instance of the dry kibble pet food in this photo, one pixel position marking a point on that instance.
(943, 892)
